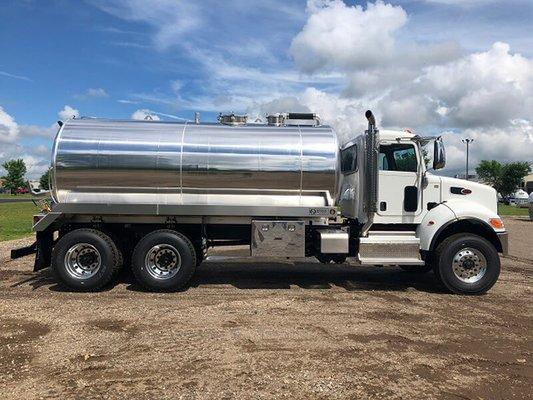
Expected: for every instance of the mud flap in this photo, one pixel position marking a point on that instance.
(45, 242)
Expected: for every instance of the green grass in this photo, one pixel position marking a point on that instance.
(16, 220)
(505, 210)
(18, 196)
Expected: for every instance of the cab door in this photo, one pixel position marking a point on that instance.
(399, 193)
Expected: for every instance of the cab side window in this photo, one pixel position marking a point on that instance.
(397, 157)
(349, 159)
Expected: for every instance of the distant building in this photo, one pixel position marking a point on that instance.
(528, 183)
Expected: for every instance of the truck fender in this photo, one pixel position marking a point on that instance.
(464, 209)
(460, 218)
(432, 223)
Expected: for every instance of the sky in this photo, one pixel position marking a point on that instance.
(454, 68)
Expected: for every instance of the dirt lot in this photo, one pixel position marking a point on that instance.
(276, 330)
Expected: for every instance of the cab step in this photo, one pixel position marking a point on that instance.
(390, 248)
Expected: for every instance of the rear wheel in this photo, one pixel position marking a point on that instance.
(467, 264)
(164, 260)
(85, 259)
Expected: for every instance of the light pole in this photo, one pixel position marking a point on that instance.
(467, 141)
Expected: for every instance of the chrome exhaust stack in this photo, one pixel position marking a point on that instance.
(371, 175)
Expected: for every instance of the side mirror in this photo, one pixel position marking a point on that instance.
(439, 154)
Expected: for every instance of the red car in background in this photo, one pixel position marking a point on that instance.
(21, 190)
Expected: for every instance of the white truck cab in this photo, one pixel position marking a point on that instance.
(417, 218)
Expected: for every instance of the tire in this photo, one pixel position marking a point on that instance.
(417, 269)
(164, 260)
(471, 253)
(85, 260)
(120, 251)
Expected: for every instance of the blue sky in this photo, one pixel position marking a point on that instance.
(112, 58)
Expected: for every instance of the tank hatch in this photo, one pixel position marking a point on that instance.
(293, 119)
(232, 119)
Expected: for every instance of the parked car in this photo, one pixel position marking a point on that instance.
(520, 198)
(21, 190)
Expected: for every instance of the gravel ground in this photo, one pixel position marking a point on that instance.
(279, 330)
(520, 237)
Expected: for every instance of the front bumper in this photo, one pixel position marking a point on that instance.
(504, 240)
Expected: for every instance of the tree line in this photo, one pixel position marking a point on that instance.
(505, 178)
(14, 179)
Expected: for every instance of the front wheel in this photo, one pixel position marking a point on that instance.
(467, 264)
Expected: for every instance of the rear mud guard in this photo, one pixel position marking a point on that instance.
(42, 248)
(45, 243)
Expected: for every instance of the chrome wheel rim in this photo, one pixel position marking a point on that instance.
(163, 261)
(82, 261)
(469, 265)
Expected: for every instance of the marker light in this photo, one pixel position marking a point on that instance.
(496, 223)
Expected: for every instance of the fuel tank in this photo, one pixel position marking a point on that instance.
(153, 162)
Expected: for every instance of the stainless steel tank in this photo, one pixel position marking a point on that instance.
(153, 162)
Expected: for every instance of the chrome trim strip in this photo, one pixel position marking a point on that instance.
(194, 210)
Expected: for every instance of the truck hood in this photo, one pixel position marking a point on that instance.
(459, 189)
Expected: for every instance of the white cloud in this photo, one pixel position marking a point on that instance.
(9, 129)
(36, 166)
(12, 135)
(512, 143)
(125, 101)
(483, 89)
(345, 115)
(68, 112)
(144, 115)
(368, 45)
(36, 159)
(41, 149)
(348, 59)
(339, 35)
(96, 92)
(14, 76)
(37, 130)
(170, 19)
(462, 3)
